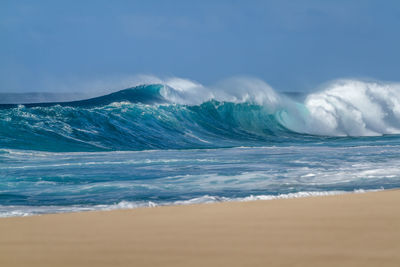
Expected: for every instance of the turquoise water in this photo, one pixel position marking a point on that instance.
(156, 145)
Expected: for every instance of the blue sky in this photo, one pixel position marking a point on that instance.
(292, 45)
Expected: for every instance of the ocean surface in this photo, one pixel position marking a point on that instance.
(179, 142)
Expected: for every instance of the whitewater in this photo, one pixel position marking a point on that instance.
(179, 142)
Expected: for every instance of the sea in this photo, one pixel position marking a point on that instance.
(178, 142)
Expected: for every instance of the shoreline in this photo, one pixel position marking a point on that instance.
(338, 230)
(206, 199)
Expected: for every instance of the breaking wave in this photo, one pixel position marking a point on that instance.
(181, 114)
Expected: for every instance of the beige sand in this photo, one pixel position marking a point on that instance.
(344, 230)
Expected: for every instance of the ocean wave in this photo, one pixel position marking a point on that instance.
(181, 114)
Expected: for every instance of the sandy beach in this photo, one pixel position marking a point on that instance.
(343, 230)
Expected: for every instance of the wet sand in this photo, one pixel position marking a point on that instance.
(343, 230)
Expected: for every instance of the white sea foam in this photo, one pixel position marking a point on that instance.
(22, 211)
(354, 108)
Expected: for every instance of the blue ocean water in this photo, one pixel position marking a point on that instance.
(180, 142)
